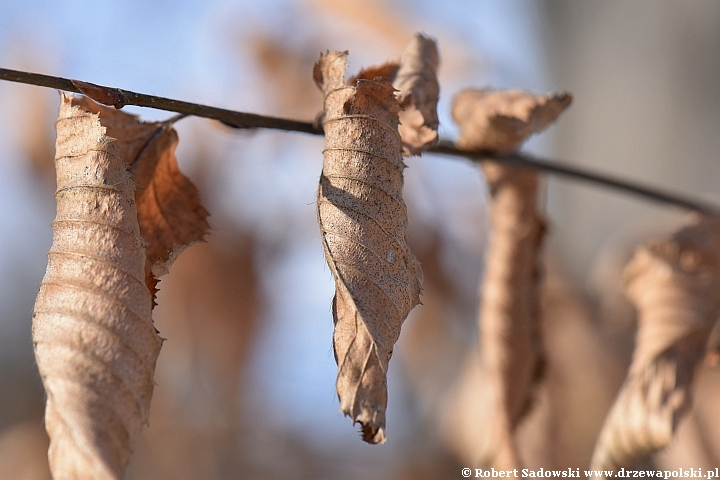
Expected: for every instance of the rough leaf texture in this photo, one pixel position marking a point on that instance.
(510, 340)
(363, 221)
(415, 79)
(502, 119)
(510, 337)
(169, 211)
(675, 286)
(419, 90)
(95, 343)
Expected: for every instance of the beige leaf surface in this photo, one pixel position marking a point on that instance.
(675, 286)
(419, 91)
(510, 336)
(415, 79)
(363, 221)
(501, 120)
(169, 211)
(95, 343)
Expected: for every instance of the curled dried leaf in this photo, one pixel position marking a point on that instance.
(170, 215)
(94, 339)
(511, 347)
(674, 285)
(387, 70)
(501, 120)
(510, 337)
(415, 79)
(363, 221)
(419, 91)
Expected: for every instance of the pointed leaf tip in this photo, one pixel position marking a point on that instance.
(363, 222)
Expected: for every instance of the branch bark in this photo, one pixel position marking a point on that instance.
(119, 98)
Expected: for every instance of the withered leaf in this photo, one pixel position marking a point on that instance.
(94, 339)
(510, 336)
(419, 91)
(387, 70)
(501, 120)
(415, 79)
(511, 347)
(363, 221)
(675, 287)
(169, 211)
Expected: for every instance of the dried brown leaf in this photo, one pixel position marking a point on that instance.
(363, 221)
(169, 211)
(415, 79)
(387, 70)
(501, 120)
(95, 343)
(419, 91)
(124, 213)
(675, 286)
(510, 336)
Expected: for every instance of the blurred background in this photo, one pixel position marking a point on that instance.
(245, 381)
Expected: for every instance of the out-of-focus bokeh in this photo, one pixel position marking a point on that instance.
(245, 380)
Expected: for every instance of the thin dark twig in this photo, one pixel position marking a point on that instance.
(553, 166)
(119, 98)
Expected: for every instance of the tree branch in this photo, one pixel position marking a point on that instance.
(119, 98)
(563, 169)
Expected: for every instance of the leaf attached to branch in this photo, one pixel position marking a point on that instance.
(510, 336)
(503, 119)
(94, 339)
(95, 343)
(675, 286)
(415, 79)
(419, 91)
(363, 221)
(169, 211)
